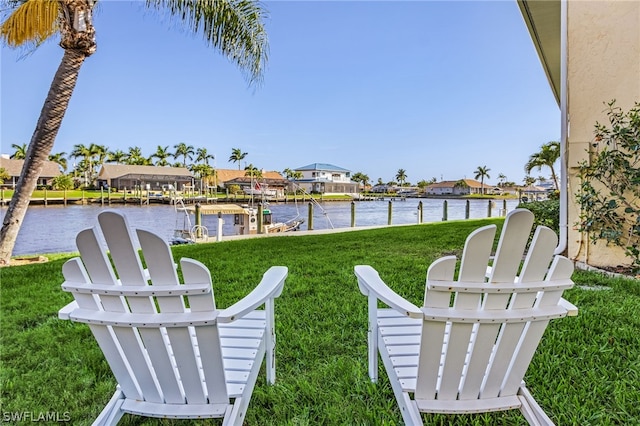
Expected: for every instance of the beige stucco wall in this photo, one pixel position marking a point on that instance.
(603, 64)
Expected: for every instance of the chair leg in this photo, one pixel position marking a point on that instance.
(408, 408)
(530, 409)
(372, 337)
(271, 342)
(111, 413)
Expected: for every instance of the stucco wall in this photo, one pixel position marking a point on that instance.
(603, 64)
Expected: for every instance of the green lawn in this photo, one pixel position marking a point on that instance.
(585, 372)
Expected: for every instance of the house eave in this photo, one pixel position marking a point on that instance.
(543, 20)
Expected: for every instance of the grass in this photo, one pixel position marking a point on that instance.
(585, 372)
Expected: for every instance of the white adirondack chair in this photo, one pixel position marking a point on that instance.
(466, 350)
(173, 354)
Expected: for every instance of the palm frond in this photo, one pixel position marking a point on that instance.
(234, 27)
(33, 21)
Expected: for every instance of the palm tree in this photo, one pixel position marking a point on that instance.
(401, 176)
(481, 173)
(203, 156)
(135, 157)
(20, 152)
(60, 159)
(118, 156)
(548, 155)
(502, 178)
(82, 151)
(234, 28)
(162, 153)
(237, 155)
(253, 171)
(185, 151)
(361, 178)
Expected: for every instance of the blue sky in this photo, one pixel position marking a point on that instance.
(434, 88)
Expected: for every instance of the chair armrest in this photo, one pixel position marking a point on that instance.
(572, 310)
(269, 287)
(66, 310)
(370, 282)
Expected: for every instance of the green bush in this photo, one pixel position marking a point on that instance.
(547, 213)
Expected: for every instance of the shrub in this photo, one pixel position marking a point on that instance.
(610, 183)
(547, 213)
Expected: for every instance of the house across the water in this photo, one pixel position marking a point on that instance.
(154, 178)
(460, 187)
(14, 168)
(323, 178)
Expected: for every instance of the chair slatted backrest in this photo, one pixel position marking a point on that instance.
(489, 324)
(159, 350)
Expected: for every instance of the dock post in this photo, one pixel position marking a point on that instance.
(467, 210)
(109, 195)
(489, 208)
(444, 210)
(504, 208)
(124, 199)
(260, 219)
(219, 230)
(45, 196)
(353, 214)
(64, 196)
(310, 218)
(419, 212)
(390, 215)
(83, 203)
(198, 219)
(102, 196)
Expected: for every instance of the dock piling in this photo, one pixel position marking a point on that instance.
(353, 214)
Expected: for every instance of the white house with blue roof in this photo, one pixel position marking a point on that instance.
(323, 178)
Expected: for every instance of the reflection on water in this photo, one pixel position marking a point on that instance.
(53, 229)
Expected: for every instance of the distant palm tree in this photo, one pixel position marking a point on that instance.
(60, 159)
(20, 151)
(185, 151)
(162, 153)
(234, 28)
(118, 156)
(237, 155)
(253, 171)
(83, 151)
(502, 178)
(481, 173)
(547, 156)
(401, 176)
(203, 156)
(135, 157)
(361, 178)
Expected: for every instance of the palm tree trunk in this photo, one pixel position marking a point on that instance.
(40, 147)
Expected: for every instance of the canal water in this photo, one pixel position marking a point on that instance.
(52, 229)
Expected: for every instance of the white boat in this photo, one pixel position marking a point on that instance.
(245, 222)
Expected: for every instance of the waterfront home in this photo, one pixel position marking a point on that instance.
(14, 168)
(154, 178)
(323, 178)
(458, 187)
(270, 180)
